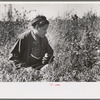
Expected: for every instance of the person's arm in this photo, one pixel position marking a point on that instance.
(17, 50)
(48, 58)
(50, 54)
(50, 51)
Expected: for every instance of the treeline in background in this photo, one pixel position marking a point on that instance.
(76, 45)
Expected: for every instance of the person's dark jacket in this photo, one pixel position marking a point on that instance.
(30, 49)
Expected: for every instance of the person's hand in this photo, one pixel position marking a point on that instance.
(45, 59)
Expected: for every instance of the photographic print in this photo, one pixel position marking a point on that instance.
(49, 50)
(49, 42)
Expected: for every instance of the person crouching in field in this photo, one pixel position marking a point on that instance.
(32, 47)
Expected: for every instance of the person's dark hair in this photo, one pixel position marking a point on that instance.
(40, 20)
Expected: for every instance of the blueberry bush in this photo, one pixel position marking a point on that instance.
(76, 45)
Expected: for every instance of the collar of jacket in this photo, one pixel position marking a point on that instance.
(34, 35)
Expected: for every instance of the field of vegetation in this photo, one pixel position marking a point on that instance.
(76, 45)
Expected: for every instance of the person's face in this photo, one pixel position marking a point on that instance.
(41, 31)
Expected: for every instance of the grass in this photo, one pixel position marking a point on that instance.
(76, 44)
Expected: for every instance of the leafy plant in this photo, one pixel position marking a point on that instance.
(76, 45)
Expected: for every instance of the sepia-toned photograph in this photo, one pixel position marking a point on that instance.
(49, 42)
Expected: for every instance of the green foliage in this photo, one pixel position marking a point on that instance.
(76, 44)
(76, 47)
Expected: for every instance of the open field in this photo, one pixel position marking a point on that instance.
(76, 44)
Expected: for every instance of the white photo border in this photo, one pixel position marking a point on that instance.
(44, 90)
